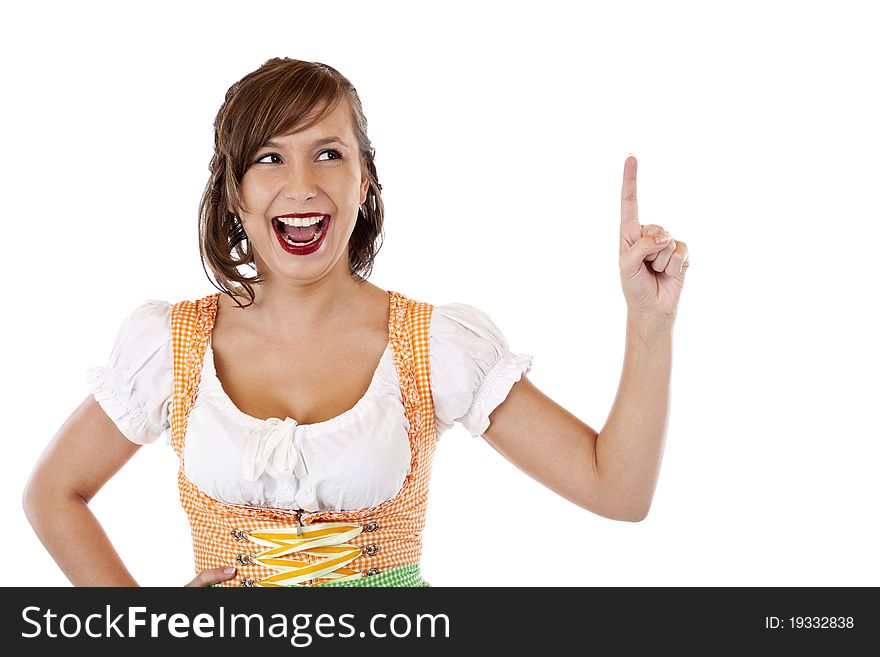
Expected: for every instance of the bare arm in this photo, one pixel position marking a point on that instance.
(85, 453)
(629, 450)
(613, 474)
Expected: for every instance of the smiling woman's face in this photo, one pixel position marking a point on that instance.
(317, 170)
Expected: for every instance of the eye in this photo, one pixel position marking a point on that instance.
(336, 153)
(263, 157)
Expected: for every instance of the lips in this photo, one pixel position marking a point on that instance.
(309, 247)
(301, 215)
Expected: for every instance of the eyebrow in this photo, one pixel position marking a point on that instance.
(317, 142)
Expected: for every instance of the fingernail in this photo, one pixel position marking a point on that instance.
(631, 155)
(661, 238)
(229, 570)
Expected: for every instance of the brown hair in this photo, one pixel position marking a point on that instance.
(273, 100)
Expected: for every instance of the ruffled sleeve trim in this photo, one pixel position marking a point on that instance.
(494, 389)
(105, 384)
(135, 385)
(472, 367)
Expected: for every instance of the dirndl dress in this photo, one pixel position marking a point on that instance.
(371, 546)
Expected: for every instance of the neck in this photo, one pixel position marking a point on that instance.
(285, 308)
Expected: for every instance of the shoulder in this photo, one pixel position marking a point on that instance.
(466, 326)
(460, 315)
(153, 307)
(464, 343)
(150, 315)
(150, 318)
(143, 333)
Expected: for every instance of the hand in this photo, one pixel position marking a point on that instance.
(211, 576)
(652, 274)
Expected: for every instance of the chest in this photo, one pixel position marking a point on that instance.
(310, 380)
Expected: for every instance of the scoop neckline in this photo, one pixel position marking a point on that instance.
(227, 400)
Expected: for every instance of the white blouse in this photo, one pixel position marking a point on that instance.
(357, 459)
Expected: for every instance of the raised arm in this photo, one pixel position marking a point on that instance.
(612, 473)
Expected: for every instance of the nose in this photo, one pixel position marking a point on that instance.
(300, 184)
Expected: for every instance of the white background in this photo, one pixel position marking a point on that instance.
(755, 125)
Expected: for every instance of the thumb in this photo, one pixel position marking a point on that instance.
(645, 247)
(212, 576)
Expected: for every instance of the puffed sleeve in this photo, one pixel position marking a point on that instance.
(136, 385)
(472, 367)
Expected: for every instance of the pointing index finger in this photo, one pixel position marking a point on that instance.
(629, 208)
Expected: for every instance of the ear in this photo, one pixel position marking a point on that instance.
(365, 184)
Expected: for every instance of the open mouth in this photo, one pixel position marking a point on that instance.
(300, 236)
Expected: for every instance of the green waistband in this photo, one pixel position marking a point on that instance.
(408, 575)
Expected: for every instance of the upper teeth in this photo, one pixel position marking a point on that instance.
(300, 221)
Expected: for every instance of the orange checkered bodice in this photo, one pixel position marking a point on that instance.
(282, 547)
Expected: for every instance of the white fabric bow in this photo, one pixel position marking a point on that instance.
(270, 449)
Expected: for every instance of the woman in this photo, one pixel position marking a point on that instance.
(333, 494)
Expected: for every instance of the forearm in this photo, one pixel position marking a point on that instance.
(629, 449)
(75, 540)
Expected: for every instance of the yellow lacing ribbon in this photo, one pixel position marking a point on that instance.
(326, 539)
